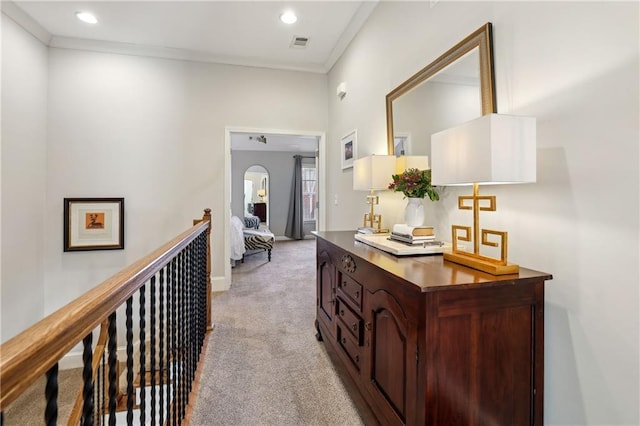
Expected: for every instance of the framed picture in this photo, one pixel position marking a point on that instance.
(348, 149)
(401, 144)
(93, 224)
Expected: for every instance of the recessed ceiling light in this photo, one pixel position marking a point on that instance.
(288, 17)
(87, 17)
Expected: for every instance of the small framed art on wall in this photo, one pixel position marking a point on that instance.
(93, 224)
(348, 151)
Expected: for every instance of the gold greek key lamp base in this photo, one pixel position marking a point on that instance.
(475, 260)
(371, 220)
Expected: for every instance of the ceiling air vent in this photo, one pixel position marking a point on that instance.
(299, 42)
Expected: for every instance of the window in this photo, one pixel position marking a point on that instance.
(309, 192)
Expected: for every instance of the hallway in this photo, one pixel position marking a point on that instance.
(263, 364)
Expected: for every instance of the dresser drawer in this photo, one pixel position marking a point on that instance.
(351, 320)
(351, 289)
(349, 345)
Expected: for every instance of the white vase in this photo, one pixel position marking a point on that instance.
(414, 212)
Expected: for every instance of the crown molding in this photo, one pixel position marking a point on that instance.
(25, 21)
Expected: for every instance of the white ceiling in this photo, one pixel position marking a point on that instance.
(275, 142)
(232, 32)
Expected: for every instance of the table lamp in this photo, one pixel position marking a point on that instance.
(372, 173)
(262, 193)
(492, 149)
(404, 162)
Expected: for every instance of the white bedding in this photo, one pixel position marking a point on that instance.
(237, 238)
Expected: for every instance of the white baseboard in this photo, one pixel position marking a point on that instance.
(220, 284)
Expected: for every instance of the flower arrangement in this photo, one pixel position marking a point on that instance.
(414, 183)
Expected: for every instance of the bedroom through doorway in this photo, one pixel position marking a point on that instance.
(261, 165)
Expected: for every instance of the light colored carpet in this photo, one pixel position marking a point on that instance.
(263, 364)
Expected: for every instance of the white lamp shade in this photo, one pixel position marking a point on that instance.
(373, 172)
(404, 162)
(494, 149)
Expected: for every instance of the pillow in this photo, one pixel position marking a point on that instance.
(252, 221)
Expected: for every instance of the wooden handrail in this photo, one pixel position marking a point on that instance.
(30, 354)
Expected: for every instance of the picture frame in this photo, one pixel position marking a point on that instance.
(93, 224)
(402, 144)
(348, 149)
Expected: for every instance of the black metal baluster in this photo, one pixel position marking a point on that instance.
(101, 397)
(196, 302)
(193, 330)
(51, 396)
(203, 288)
(196, 298)
(112, 369)
(152, 331)
(174, 341)
(180, 334)
(194, 308)
(205, 280)
(129, 326)
(87, 379)
(189, 330)
(143, 354)
(162, 384)
(185, 335)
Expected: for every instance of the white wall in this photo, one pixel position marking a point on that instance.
(152, 131)
(574, 66)
(24, 150)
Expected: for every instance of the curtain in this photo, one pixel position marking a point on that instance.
(295, 219)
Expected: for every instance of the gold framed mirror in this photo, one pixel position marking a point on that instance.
(457, 87)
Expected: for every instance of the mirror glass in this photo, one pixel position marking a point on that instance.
(456, 87)
(256, 193)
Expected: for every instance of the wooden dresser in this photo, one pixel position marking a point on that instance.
(260, 210)
(421, 341)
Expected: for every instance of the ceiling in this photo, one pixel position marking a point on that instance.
(231, 32)
(241, 141)
(247, 33)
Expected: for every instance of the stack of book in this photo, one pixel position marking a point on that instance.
(414, 235)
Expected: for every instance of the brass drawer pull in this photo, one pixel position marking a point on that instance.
(348, 263)
(354, 326)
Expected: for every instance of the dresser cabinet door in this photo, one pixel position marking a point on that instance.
(326, 287)
(391, 342)
(488, 354)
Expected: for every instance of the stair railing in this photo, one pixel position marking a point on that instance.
(177, 277)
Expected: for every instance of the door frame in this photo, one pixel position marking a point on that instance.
(320, 224)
